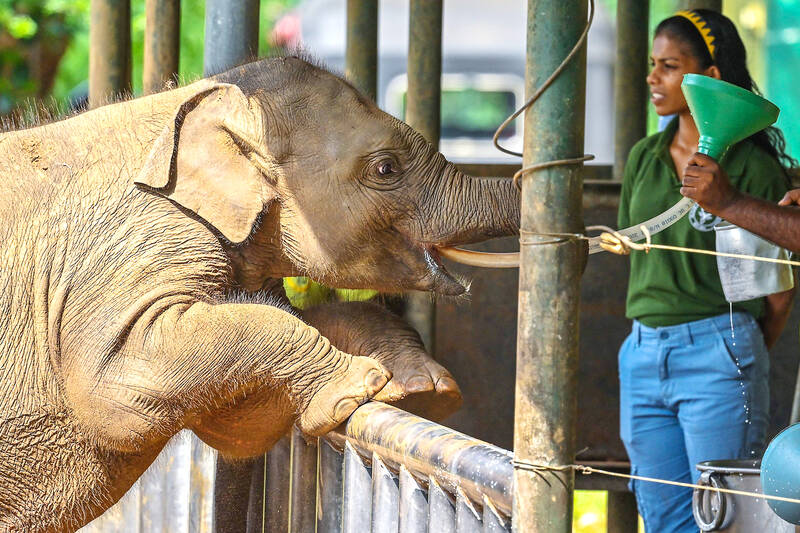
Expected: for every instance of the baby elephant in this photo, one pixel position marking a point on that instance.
(139, 243)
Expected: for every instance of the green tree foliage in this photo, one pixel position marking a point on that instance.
(34, 34)
(61, 28)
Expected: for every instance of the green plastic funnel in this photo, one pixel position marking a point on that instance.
(724, 113)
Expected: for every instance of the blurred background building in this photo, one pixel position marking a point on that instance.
(44, 51)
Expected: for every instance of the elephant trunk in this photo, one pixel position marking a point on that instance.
(465, 209)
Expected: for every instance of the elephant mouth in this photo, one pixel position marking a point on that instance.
(437, 278)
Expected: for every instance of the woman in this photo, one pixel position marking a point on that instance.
(693, 379)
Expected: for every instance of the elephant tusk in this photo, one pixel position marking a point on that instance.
(481, 259)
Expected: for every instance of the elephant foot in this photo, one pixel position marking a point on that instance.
(421, 386)
(346, 390)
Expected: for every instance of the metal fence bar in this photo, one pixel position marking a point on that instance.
(716, 5)
(303, 484)
(361, 50)
(153, 499)
(621, 512)
(507, 170)
(178, 484)
(276, 512)
(423, 114)
(161, 44)
(468, 520)
(441, 512)
(493, 522)
(357, 493)
(630, 86)
(427, 449)
(385, 498)
(549, 276)
(201, 495)
(329, 489)
(413, 505)
(231, 34)
(109, 50)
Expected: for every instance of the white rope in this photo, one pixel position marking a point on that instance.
(585, 469)
(615, 242)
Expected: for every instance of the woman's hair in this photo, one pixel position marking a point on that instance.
(730, 58)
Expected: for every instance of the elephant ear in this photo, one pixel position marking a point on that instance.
(204, 161)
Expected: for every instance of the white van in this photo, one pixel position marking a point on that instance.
(483, 65)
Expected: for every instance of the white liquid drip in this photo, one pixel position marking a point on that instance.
(739, 370)
(733, 335)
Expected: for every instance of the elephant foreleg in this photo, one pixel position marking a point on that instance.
(419, 384)
(194, 361)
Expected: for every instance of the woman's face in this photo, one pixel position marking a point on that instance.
(668, 65)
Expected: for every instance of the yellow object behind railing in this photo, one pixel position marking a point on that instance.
(304, 293)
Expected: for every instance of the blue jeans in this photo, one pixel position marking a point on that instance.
(689, 393)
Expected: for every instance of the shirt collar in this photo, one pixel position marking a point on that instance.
(733, 161)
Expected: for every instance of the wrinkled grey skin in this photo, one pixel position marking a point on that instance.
(139, 242)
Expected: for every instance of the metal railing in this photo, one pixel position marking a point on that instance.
(390, 471)
(174, 495)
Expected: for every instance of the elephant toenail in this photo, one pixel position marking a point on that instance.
(419, 384)
(375, 381)
(447, 384)
(344, 409)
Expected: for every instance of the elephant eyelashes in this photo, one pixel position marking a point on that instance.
(382, 173)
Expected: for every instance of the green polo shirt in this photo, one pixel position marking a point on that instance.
(666, 287)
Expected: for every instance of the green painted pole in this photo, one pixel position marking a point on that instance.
(630, 85)
(549, 277)
(425, 68)
(423, 114)
(621, 512)
(716, 5)
(161, 44)
(361, 54)
(231, 34)
(109, 50)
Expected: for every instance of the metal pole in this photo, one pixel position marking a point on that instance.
(161, 44)
(361, 55)
(231, 34)
(794, 417)
(424, 448)
(303, 484)
(549, 277)
(630, 86)
(467, 518)
(630, 125)
(109, 50)
(329, 488)
(441, 512)
(423, 114)
(716, 5)
(385, 498)
(356, 493)
(623, 516)
(413, 505)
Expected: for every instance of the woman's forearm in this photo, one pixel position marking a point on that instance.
(776, 314)
(778, 224)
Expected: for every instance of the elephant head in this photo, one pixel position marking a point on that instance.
(303, 175)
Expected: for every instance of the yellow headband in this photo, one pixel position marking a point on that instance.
(702, 27)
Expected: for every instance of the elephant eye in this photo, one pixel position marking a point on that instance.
(385, 168)
(382, 173)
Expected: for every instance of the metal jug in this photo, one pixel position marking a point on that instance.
(734, 513)
(746, 279)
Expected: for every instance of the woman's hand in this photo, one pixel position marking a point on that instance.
(705, 182)
(791, 198)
